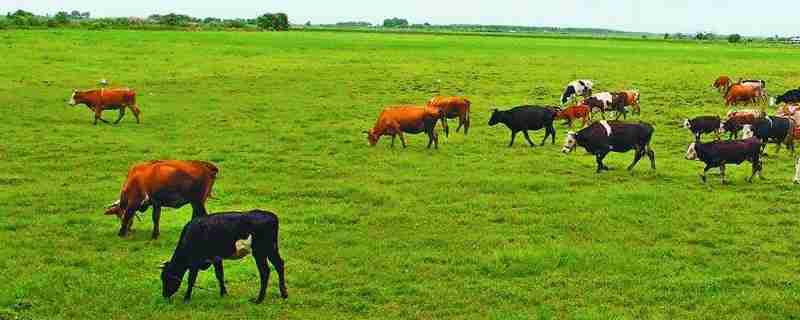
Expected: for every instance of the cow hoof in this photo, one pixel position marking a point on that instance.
(257, 301)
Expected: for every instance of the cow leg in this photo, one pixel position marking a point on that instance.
(466, 123)
(460, 123)
(126, 223)
(263, 272)
(527, 137)
(705, 172)
(393, 136)
(636, 157)
(98, 115)
(402, 139)
(599, 158)
(446, 127)
(192, 278)
(136, 112)
(513, 135)
(722, 172)
(277, 262)
(220, 273)
(198, 210)
(652, 155)
(121, 114)
(156, 219)
(433, 138)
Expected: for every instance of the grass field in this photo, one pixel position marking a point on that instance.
(473, 230)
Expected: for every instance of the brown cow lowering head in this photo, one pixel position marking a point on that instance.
(116, 209)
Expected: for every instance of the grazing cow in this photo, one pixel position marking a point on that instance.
(571, 113)
(163, 183)
(704, 124)
(575, 88)
(603, 102)
(603, 137)
(206, 241)
(722, 84)
(772, 129)
(789, 97)
(631, 100)
(741, 93)
(736, 120)
(107, 99)
(524, 118)
(394, 121)
(452, 107)
(719, 153)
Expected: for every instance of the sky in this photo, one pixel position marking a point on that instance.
(746, 17)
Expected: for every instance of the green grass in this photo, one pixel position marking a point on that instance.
(473, 230)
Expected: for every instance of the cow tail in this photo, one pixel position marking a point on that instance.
(469, 107)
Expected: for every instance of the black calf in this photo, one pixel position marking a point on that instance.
(524, 118)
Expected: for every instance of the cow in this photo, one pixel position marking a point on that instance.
(742, 93)
(603, 137)
(722, 84)
(789, 97)
(603, 102)
(575, 88)
(760, 85)
(571, 113)
(703, 124)
(631, 100)
(163, 183)
(102, 99)
(735, 121)
(394, 121)
(524, 118)
(207, 240)
(719, 153)
(777, 130)
(452, 107)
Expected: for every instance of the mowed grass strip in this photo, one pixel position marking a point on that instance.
(473, 230)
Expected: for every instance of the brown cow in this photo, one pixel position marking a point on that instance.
(736, 120)
(107, 99)
(452, 107)
(571, 113)
(742, 93)
(631, 100)
(394, 121)
(163, 183)
(722, 84)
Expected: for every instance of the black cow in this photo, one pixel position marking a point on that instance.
(791, 96)
(603, 137)
(703, 124)
(205, 241)
(524, 118)
(772, 129)
(719, 153)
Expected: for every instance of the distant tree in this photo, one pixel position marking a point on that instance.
(281, 22)
(308, 23)
(734, 38)
(61, 18)
(85, 15)
(666, 36)
(276, 22)
(699, 36)
(75, 14)
(395, 23)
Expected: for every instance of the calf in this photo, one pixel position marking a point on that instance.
(571, 113)
(772, 129)
(603, 137)
(452, 107)
(163, 183)
(206, 241)
(739, 93)
(704, 124)
(736, 120)
(107, 99)
(524, 118)
(789, 97)
(719, 153)
(394, 121)
(576, 88)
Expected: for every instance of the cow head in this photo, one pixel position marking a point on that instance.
(496, 117)
(687, 124)
(115, 209)
(72, 101)
(372, 137)
(171, 278)
(570, 142)
(747, 131)
(691, 153)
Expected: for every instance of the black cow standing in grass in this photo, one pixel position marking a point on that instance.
(603, 137)
(704, 124)
(719, 153)
(771, 129)
(206, 240)
(524, 118)
(791, 96)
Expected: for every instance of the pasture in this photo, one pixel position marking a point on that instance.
(473, 230)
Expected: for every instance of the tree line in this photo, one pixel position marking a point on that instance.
(22, 19)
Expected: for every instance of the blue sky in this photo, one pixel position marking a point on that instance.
(762, 18)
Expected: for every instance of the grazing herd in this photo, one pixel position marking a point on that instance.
(208, 239)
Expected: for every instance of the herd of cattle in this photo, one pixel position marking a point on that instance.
(209, 238)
